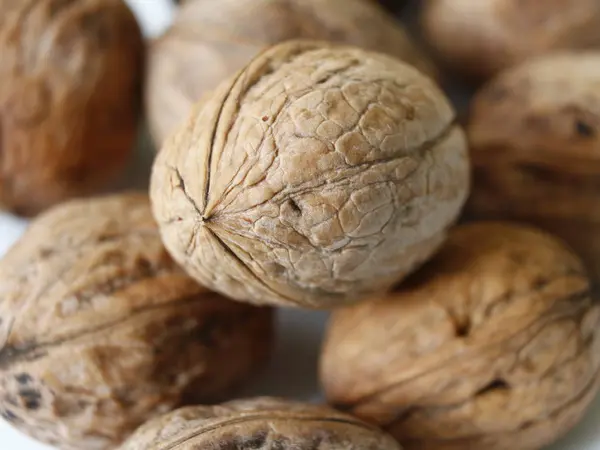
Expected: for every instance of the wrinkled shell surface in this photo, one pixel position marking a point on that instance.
(258, 424)
(100, 330)
(494, 345)
(482, 37)
(70, 76)
(535, 139)
(314, 177)
(212, 39)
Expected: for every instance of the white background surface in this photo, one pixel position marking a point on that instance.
(294, 367)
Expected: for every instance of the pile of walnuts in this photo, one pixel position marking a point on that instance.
(307, 157)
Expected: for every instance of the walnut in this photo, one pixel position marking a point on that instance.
(100, 330)
(212, 39)
(480, 38)
(259, 423)
(314, 177)
(495, 345)
(70, 76)
(535, 136)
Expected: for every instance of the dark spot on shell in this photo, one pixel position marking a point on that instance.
(256, 441)
(9, 416)
(23, 378)
(463, 329)
(496, 385)
(144, 266)
(31, 398)
(497, 93)
(294, 206)
(584, 129)
(265, 118)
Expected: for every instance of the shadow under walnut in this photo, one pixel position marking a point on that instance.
(494, 345)
(100, 330)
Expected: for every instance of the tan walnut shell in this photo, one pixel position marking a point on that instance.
(100, 330)
(212, 39)
(70, 92)
(535, 140)
(259, 424)
(482, 37)
(315, 176)
(494, 345)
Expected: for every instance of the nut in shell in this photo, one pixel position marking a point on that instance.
(212, 39)
(535, 142)
(70, 91)
(481, 38)
(100, 330)
(258, 423)
(315, 176)
(494, 345)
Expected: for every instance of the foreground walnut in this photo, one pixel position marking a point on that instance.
(314, 177)
(100, 330)
(494, 345)
(480, 38)
(211, 39)
(535, 138)
(70, 75)
(259, 423)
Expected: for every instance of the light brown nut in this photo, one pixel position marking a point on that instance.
(70, 85)
(211, 39)
(100, 330)
(535, 139)
(314, 177)
(494, 345)
(259, 424)
(481, 38)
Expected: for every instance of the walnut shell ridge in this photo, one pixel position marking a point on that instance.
(494, 345)
(100, 330)
(210, 40)
(70, 94)
(535, 142)
(314, 177)
(258, 423)
(481, 38)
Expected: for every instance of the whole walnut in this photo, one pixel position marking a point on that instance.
(100, 330)
(70, 85)
(495, 345)
(535, 138)
(480, 38)
(258, 423)
(212, 39)
(315, 176)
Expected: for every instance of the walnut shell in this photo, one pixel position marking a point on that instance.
(535, 138)
(480, 38)
(495, 345)
(211, 39)
(100, 330)
(259, 423)
(314, 177)
(70, 85)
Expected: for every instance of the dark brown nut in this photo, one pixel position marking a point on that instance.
(212, 39)
(70, 85)
(480, 38)
(495, 345)
(535, 139)
(101, 331)
(259, 423)
(314, 177)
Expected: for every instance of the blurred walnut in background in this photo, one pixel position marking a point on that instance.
(481, 37)
(211, 39)
(70, 81)
(494, 345)
(535, 141)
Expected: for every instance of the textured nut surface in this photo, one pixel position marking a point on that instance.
(480, 38)
(535, 140)
(258, 424)
(315, 176)
(100, 330)
(70, 76)
(211, 39)
(495, 344)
